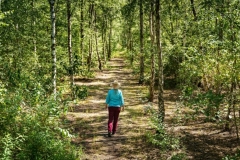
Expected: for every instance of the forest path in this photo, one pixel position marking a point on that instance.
(89, 118)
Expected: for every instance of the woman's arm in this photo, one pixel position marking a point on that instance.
(107, 98)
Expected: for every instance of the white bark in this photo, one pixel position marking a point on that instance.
(53, 47)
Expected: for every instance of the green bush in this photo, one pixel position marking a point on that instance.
(30, 126)
(206, 103)
(235, 157)
(80, 92)
(179, 156)
(43, 145)
(161, 138)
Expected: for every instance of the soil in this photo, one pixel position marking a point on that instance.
(87, 119)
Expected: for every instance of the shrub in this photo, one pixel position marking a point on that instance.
(81, 92)
(161, 138)
(30, 126)
(207, 103)
(234, 157)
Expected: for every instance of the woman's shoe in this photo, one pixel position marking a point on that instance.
(109, 134)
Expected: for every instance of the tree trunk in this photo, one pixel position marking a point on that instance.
(234, 99)
(98, 56)
(91, 11)
(227, 123)
(81, 32)
(109, 40)
(70, 56)
(129, 44)
(53, 47)
(152, 36)
(96, 40)
(234, 79)
(160, 63)
(141, 77)
(104, 47)
(33, 25)
(193, 10)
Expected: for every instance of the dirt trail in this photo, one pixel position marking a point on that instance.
(89, 118)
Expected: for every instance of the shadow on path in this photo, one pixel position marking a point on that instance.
(88, 119)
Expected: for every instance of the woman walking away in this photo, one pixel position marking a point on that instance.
(114, 103)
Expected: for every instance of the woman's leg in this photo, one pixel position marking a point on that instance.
(115, 121)
(110, 119)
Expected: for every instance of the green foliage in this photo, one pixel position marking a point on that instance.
(80, 92)
(30, 126)
(161, 138)
(179, 156)
(43, 145)
(1, 17)
(203, 50)
(9, 109)
(235, 157)
(207, 103)
(36, 145)
(8, 144)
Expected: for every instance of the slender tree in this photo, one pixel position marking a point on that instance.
(160, 62)
(81, 37)
(152, 55)
(141, 77)
(128, 12)
(90, 45)
(53, 46)
(96, 41)
(110, 38)
(70, 55)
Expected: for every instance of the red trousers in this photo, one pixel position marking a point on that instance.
(113, 114)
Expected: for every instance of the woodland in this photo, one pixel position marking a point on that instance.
(180, 59)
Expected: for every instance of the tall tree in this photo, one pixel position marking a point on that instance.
(141, 77)
(110, 38)
(128, 13)
(90, 45)
(70, 55)
(152, 56)
(53, 46)
(81, 31)
(160, 62)
(96, 41)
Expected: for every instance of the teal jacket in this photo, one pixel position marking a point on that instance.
(115, 98)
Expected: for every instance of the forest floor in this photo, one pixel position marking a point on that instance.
(88, 120)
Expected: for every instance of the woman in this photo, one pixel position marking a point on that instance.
(114, 103)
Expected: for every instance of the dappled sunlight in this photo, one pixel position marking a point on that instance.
(97, 101)
(98, 83)
(89, 117)
(88, 120)
(86, 114)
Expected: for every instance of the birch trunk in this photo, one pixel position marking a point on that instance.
(160, 63)
(81, 32)
(109, 40)
(96, 41)
(53, 46)
(70, 55)
(152, 36)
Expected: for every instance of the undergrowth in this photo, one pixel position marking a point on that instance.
(162, 139)
(30, 126)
